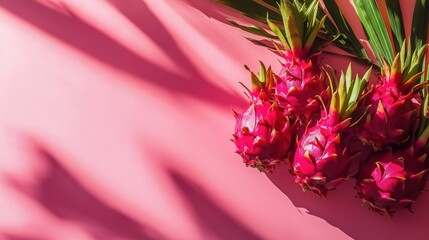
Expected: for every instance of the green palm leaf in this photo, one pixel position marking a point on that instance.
(396, 22)
(255, 9)
(345, 29)
(257, 30)
(343, 37)
(385, 39)
(420, 25)
(375, 29)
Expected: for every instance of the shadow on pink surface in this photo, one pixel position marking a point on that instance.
(215, 222)
(141, 16)
(214, 10)
(64, 197)
(342, 210)
(7, 236)
(83, 37)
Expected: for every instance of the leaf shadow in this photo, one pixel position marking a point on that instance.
(142, 17)
(210, 217)
(9, 236)
(218, 11)
(64, 197)
(343, 210)
(87, 39)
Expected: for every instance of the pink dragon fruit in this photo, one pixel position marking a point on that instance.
(356, 151)
(302, 83)
(392, 179)
(393, 102)
(262, 132)
(320, 162)
(300, 87)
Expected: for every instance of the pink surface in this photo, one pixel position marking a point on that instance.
(115, 117)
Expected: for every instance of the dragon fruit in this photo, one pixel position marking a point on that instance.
(392, 179)
(329, 130)
(394, 102)
(320, 162)
(300, 86)
(262, 132)
(302, 82)
(356, 151)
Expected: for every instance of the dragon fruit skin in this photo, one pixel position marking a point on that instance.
(357, 152)
(262, 136)
(318, 164)
(388, 112)
(395, 104)
(301, 81)
(300, 86)
(322, 158)
(392, 180)
(262, 133)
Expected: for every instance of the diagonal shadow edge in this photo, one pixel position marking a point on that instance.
(64, 197)
(211, 218)
(96, 44)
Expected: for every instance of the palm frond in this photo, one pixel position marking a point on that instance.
(341, 36)
(396, 22)
(347, 35)
(255, 9)
(420, 24)
(375, 29)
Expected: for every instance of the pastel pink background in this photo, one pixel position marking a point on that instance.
(115, 117)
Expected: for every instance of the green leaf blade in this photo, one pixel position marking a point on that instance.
(396, 22)
(420, 24)
(375, 29)
(344, 27)
(252, 9)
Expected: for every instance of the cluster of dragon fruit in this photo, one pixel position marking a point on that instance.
(330, 126)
